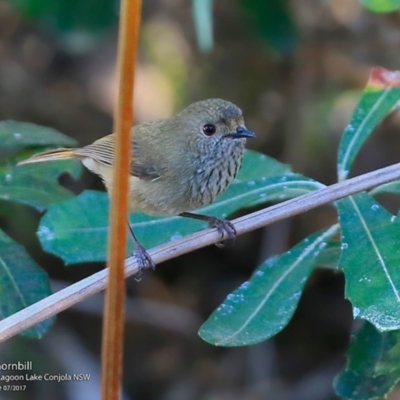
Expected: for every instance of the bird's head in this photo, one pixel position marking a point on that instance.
(214, 121)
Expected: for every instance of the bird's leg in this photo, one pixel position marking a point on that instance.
(142, 256)
(225, 227)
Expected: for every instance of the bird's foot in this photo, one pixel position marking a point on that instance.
(144, 261)
(225, 228)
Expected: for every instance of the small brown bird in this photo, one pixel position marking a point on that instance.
(178, 164)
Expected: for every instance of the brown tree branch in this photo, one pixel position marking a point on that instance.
(76, 292)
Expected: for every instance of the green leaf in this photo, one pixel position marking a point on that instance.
(262, 306)
(36, 184)
(77, 230)
(329, 256)
(370, 260)
(24, 134)
(373, 365)
(260, 191)
(256, 165)
(203, 22)
(22, 283)
(33, 184)
(380, 96)
(390, 187)
(381, 6)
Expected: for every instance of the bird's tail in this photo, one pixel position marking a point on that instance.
(50, 155)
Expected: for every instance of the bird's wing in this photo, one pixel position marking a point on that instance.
(143, 167)
(102, 151)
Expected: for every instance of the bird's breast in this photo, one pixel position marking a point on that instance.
(214, 175)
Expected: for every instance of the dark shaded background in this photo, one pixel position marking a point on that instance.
(296, 68)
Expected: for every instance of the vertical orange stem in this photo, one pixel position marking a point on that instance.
(113, 326)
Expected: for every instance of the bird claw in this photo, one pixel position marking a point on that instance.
(224, 227)
(144, 261)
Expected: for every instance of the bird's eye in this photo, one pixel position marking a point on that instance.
(209, 129)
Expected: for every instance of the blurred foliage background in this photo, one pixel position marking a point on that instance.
(296, 69)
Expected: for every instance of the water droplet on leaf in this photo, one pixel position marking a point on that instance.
(175, 236)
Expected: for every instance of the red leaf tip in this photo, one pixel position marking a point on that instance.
(381, 78)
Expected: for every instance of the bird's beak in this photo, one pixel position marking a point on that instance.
(241, 132)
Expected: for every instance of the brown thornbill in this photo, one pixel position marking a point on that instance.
(178, 164)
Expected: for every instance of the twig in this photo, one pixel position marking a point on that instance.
(114, 310)
(76, 292)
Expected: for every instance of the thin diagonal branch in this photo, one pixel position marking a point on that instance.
(65, 298)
